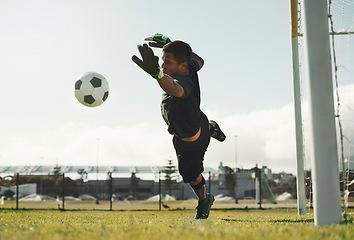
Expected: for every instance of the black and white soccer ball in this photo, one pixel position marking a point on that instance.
(91, 89)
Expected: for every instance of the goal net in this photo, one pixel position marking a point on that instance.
(341, 33)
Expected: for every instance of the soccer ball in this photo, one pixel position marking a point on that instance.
(91, 89)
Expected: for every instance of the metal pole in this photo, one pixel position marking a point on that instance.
(257, 184)
(260, 187)
(17, 188)
(160, 190)
(63, 190)
(235, 152)
(324, 153)
(301, 198)
(235, 174)
(98, 144)
(110, 190)
(41, 179)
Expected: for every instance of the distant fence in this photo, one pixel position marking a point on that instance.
(61, 192)
(112, 194)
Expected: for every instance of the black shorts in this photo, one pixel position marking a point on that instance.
(190, 155)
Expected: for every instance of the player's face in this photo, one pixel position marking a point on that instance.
(170, 65)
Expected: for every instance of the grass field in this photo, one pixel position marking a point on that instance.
(167, 224)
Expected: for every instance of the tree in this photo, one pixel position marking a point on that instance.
(83, 174)
(170, 171)
(9, 193)
(44, 183)
(134, 184)
(50, 184)
(8, 181)
(57, 172)
(70, 186)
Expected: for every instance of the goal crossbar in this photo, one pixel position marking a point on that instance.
(332, 33)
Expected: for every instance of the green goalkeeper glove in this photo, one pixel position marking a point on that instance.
(158, 39)
(150, 62)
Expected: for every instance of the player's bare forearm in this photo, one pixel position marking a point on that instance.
(198, 59)
(168, 84)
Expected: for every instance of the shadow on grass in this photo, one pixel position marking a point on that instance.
(271, 221)
(81, 210)
(129, 210)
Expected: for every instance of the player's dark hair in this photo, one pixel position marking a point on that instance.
(180, 50)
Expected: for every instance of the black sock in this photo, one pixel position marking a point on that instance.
(200, 193)
(200, 189)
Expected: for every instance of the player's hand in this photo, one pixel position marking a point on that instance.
(158, 40)
(150, 62)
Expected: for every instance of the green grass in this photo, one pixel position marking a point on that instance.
(176, 224)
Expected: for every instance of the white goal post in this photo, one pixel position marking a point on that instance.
(324, 153)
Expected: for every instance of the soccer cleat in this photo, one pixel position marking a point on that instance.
(204, 206)
(217, 134)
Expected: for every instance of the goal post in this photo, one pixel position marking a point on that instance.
(300, 178)
(324, 153)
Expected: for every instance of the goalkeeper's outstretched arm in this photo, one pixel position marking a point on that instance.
(170, 86)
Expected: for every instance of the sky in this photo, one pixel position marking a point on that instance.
(246, 81)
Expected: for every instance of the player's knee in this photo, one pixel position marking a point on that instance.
(198, 182)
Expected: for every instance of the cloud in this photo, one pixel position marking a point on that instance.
(267, 137)
(264, 137)
(83, 144)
